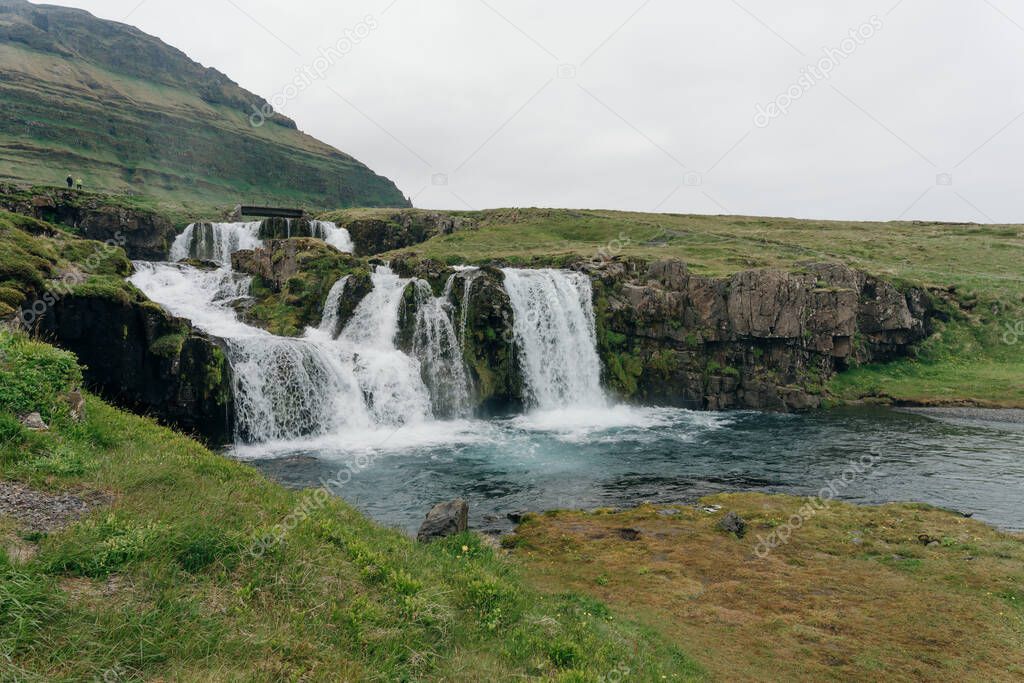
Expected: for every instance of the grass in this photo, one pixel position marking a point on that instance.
(853, 596)
(978, 265)
(36, 257)
(161, 584)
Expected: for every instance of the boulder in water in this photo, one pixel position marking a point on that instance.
(444, 519)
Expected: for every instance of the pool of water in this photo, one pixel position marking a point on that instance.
(620, 457)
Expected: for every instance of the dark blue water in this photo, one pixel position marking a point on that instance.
(623, 457)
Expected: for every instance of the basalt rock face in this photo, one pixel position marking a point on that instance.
(484, 314)
(143, 234)
(380, 233)
(142, 359)
(761, 339)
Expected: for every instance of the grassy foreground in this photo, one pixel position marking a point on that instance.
(976, 359)
(853, 596)
(162, 584)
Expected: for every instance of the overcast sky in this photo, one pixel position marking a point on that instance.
(663, 105)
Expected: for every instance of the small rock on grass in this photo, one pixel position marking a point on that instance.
(733, 524)
(34, 422)
(76, 405)
(444, 519)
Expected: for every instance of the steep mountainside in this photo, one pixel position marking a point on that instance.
(126, 112)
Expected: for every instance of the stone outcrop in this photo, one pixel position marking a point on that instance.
(291, 281)
(760, 339)
(144, 234)
(485, 316)
(377, 232)
(140, 358)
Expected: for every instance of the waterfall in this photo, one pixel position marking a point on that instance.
(436, 345)
(287, 389)
(284, 388)
(555, 337)
(329, 319)
(391, 380)
(338, 238)
(469, 275)
(318, 385)
(215, 241)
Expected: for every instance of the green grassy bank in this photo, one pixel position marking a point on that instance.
(160, 581)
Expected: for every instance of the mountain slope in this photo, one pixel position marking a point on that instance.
(124, 111)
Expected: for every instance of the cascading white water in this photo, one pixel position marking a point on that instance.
(391, 380)
(436, 345)
(329, 232)
(215, 241)
(283, 388)
(469, 275)
(555, 337)
(329, 320)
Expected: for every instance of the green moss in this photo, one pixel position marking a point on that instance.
(664, 362)
(625, 370)
(11, 297)
(168, 346)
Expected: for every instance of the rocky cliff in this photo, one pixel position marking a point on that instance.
(144, 234)
(142, 359)
(375, 231)
(72, 292)
(761, 339)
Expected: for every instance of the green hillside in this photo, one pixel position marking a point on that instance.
(126, 112)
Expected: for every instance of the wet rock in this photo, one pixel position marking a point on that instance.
(444, 519)
(517, 517)
(733, 524)
(33, 422)
(142, 359)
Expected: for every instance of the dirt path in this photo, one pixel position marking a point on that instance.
(41, 511)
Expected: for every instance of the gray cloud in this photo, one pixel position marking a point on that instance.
(643, 105)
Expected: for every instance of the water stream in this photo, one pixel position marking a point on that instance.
(309, 406)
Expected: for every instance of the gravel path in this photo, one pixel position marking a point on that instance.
(42, 512)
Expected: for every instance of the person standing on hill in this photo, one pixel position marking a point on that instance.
(79, 181)
(71, 182)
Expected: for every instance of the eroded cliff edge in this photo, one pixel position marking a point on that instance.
(760, 339)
